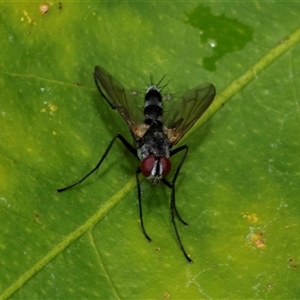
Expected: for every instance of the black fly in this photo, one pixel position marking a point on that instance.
(154, 133)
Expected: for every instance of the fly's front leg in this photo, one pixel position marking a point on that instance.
(173, 209)
(128, 146)
(138, 171)
(177, 150)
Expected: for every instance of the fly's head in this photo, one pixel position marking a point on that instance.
(154, 168)
(154, 153)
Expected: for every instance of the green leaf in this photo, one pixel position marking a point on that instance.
(238, 188)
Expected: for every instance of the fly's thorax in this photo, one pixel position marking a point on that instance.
(153, 143)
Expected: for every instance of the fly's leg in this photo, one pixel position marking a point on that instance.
(140, 204)
(178, 216)
(173, 209)
(128, 146)
(177, 150)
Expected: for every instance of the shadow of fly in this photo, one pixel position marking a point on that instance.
(155, 130)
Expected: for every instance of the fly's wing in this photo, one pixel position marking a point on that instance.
(184, 113)
(118, 98)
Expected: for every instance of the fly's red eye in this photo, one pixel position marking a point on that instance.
(147, 165)
(166, 166)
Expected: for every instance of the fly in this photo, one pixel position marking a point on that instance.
(154, 132)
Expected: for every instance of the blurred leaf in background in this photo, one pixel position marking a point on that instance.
(238, 188)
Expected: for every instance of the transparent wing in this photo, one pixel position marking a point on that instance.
(117, 97)
(184, 113)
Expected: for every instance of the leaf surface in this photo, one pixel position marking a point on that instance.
(238, 188)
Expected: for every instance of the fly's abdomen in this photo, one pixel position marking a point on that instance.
(153, 106)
